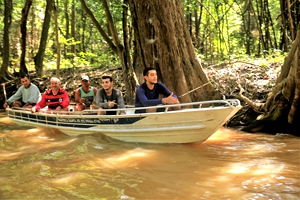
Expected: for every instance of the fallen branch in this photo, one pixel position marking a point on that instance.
(257, 107)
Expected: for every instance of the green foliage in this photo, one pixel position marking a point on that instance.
(226, 29)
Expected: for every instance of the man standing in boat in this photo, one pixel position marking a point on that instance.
(26, 96)
(147, 94)
(108, 97)
(55, 98)
(85, 96)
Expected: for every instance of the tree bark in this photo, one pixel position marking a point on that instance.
(67, 18)
(25, 11)
(162, 40)
(39, 57)
(58, 48)
(281, 112)
(117, 47)
(73, 21)
(6, 49)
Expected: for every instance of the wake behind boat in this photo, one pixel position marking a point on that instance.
(196, 122)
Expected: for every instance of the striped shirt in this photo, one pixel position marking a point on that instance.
(53, 101)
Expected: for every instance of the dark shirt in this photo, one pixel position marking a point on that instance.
(103, 99)
(146, 97)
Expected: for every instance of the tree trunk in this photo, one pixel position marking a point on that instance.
(73, 21)
(67, 18)
(116, 47)
(127, 69)
(281, 112)
(162, 40)
(6, 49)
(39, 57)
(25, 11)
(58, 49)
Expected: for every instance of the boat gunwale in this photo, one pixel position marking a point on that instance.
(229, 103)
(139, 125)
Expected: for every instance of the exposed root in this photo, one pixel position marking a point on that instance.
(257, 107)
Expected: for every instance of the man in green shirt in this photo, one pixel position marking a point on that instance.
(85, 96)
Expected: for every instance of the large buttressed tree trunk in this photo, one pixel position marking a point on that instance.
(281, 112)
(163, 41)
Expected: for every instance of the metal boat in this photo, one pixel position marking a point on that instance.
(195, 122)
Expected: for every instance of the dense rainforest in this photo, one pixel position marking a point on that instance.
(185, 40)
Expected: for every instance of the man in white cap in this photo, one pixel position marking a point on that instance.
(85, 96)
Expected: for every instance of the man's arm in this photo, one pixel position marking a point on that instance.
(120, 100)
(77, 95)
(164, 90)
(95, 95)
(16, 96)
(66, 102)
(169, 98)
(40, 104)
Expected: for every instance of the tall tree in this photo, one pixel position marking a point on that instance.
(289, 20)
(58, 49)
(6, 49)
(67, 26)
(116, 46)
(162, 40)
(25, 11)
(73, 33)
(39, 57)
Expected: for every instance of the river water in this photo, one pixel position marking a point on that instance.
(46, 164)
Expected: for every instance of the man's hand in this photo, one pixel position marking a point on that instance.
(82, 100)
(58, 108)
(5, 105)
(33, 110)
(111, 103)
(170, 99)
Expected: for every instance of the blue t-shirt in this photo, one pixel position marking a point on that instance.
(146, 97)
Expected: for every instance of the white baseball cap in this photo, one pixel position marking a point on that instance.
(85, 77)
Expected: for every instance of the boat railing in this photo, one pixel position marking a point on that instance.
(87, 118)
(200, 104)
(131, 109)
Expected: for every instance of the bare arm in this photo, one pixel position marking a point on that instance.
(77, 96)
(95, 96)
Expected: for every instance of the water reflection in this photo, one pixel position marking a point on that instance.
(47, 164)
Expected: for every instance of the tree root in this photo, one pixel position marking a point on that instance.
(257, 107)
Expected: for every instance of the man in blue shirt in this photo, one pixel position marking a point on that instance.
(147, 94)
